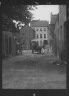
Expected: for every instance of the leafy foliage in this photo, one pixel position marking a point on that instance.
(18, 13)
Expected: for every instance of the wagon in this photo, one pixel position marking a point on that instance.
(36, 47)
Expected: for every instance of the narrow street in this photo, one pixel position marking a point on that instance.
(32, 71)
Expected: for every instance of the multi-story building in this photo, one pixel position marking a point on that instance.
(42, 31)
(53, 42)
(56, 32)
(26, 34)
(59, 32)
(62, 30)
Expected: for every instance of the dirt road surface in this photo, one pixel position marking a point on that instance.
(32, 71)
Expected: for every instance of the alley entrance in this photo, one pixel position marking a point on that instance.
(34, 47)
(33, 71)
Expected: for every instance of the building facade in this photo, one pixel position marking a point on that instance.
(56, 32)
(59, 32)
(51, 29)
(26, 34)
(52, 25)
(42, 31)
(9, 43)
(62, 30)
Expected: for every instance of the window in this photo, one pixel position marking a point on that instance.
(37, 36)
(40, 29)
(40, 35)
(36, 29)
(44, 35)
(44, 29)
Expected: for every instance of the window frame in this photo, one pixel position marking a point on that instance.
(40, 35)
(44, 35)
(37, 36)
(40, 29)
(36, 29)
(44, 29)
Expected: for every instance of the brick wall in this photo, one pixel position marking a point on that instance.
(26, 34)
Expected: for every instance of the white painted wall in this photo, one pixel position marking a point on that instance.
(41, 32)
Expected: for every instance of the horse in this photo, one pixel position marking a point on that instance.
(36, 48)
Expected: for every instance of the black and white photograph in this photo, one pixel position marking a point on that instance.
(34, 52)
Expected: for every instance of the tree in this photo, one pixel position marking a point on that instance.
(18, 13)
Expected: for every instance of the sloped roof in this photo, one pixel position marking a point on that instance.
(39, 23)
(26, 28)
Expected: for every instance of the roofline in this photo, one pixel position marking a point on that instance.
(39, 26)
(40, 21)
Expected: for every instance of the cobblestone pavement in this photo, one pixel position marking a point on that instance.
(32, 71)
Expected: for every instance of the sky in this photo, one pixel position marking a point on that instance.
(43, 12)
